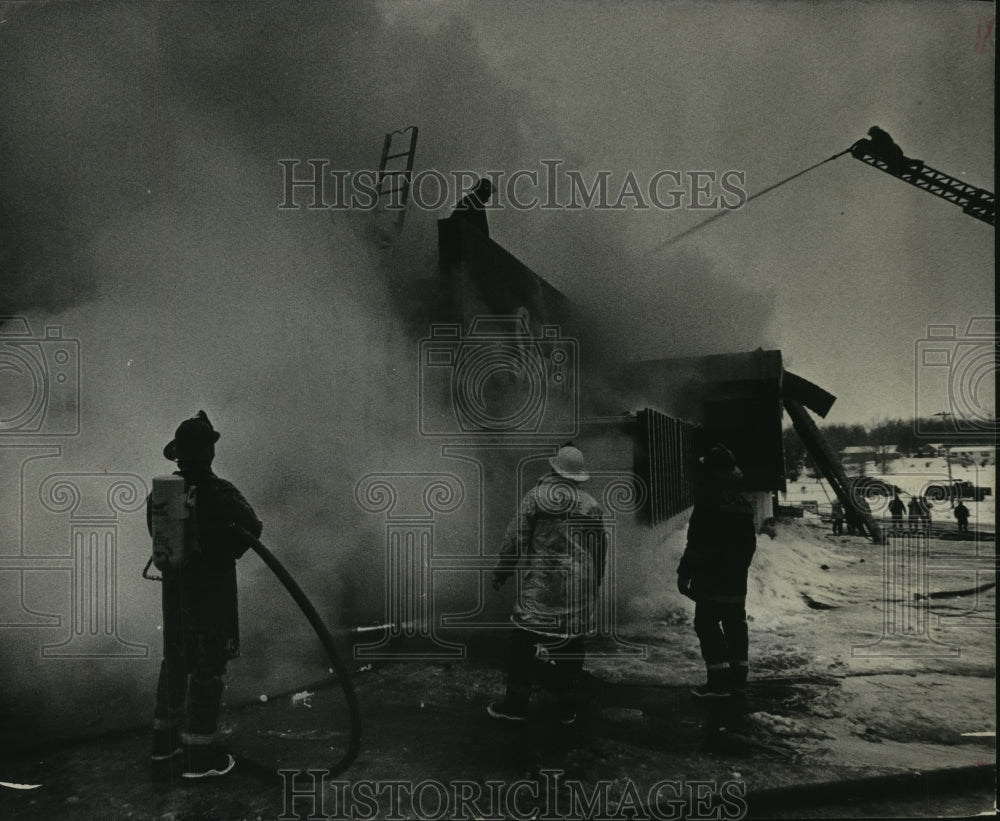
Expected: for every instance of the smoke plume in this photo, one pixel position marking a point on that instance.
(138, 208)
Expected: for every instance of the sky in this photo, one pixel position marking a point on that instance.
(843, 269)
(853, 265)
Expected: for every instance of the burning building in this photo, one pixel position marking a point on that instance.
(511, 369)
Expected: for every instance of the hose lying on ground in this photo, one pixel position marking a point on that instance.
(342, 670)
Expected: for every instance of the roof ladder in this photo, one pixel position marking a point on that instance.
(395, 173)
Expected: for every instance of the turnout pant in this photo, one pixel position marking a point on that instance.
(190, 684)
(547, 660)
(189, 702)
(721, 628)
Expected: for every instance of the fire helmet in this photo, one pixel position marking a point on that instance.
(568, 463)
(192, 435)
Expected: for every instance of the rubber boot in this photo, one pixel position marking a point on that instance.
(202, 758)
(738, 677)
(717, 685)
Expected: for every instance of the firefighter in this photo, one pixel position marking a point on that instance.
(721, 542)
(200, 619)
(881, 145)
(472, 207)
(557, 540)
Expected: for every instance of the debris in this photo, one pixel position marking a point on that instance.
(622, 714)
(782, 726)
(954, 594)
(364, 669)
(303, 735)
(303, 698)
(11, 786)
(388, 626)
(816, 605)
(263, 699)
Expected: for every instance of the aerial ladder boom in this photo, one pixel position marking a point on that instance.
(879, 151)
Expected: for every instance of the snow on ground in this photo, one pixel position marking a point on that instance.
(851, 661)
(845, 682)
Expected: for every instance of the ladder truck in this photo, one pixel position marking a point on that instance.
(879, 151)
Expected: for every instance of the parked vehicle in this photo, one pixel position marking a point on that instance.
(957, 489)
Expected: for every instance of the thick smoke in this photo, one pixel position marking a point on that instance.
(138, 195)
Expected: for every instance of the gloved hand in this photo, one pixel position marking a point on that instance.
(684, 586)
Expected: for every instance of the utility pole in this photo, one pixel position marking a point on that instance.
(947, 459)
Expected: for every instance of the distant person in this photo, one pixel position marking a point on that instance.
(837, 518)
(200, 619)
(924, 508)
(557, 542)
(896, 509)
(472, 207)
(914, 513)
(961, 514)
(721, 541)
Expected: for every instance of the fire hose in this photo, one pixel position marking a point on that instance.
(342, 670)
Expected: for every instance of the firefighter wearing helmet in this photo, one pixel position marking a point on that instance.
(199, 524)
(557, 543)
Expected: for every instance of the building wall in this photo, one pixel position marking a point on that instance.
(733, 398)
(481, 278)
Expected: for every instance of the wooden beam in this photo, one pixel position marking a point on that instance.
(829, 465)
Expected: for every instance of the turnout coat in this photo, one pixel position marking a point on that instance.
(721, 541)
(200, 612)
(558, 543)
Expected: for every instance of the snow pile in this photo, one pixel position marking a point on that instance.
(787, 727)
(788, 569)
(646, 574)
(785, 571)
